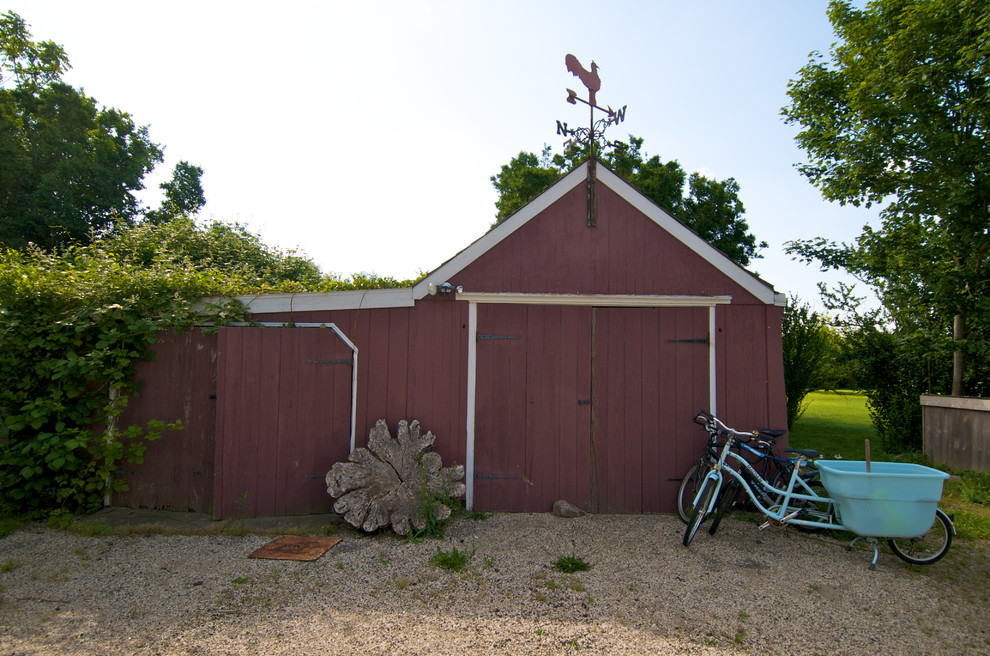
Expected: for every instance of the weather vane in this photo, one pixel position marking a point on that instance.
(595, 132)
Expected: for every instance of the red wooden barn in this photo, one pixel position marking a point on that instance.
(565, 362)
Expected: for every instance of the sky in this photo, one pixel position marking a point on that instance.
(365, 134)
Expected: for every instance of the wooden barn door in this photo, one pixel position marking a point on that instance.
(533, 411)
(651, 377)
(591, 405)
(283, 418)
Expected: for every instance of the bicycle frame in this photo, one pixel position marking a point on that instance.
(782, 512)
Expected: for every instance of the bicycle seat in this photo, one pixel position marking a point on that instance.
(772, 433)
(810, 454)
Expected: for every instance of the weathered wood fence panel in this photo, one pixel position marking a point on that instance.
(179, 383)
(957, 431)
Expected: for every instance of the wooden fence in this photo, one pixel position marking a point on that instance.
(957, 431)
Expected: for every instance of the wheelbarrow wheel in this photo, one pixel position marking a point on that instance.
(928, 548)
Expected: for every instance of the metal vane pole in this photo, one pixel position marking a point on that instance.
(595, 131)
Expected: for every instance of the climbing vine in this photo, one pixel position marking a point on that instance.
(75, 324)
(72, 329)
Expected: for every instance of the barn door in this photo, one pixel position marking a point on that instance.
(533, 411)
(651, 377)
(283, 418)
(591, 405)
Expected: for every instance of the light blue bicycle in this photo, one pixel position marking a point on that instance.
(892, 500)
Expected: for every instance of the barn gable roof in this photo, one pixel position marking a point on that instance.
(736, 273)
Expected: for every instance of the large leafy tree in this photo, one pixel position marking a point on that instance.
(898, 115)
(711, 208)
(68, 168)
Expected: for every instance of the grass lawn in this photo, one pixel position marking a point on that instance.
(837, 424)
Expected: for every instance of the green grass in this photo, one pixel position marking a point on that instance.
(837, 424)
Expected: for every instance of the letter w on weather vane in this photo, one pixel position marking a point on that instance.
(594, 134)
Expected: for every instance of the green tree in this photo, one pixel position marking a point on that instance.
(898, 115)
(710, 207)
(183, 194)
(69, 169)
(807, 344)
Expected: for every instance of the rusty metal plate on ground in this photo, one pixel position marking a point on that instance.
(295, 547)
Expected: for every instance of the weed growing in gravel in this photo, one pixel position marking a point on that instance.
(573, 583)
(571, 564)
(9, 566)
(8, 525)
(240, 580)
(453, 560)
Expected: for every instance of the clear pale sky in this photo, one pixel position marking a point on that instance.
(366, 133)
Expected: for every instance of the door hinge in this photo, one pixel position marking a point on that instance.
(480, 336)
(700, 340)
(495, 476)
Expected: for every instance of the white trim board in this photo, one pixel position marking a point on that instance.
(474, 299)
(593, 300)
(317, 301)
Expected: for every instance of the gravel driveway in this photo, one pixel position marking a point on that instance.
(741, 592)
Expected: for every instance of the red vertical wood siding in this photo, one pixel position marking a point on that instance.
(626, 254)
(648, 385)
(283, 419)
(532, 436)
(177, 384)
(411, 365)
(750, 367)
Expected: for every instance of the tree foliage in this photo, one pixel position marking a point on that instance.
(70, 168)
(898, 114)
(807, 347)
(711, 208)
(183, 194)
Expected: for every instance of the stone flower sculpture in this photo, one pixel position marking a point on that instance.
(394, 481)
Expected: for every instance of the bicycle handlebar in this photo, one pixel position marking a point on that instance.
(714, 426)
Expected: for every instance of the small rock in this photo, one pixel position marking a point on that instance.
(563, 508)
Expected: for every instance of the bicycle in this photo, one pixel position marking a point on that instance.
(896, 501)
(763, 452)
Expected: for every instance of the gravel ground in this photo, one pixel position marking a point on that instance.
(741, 592)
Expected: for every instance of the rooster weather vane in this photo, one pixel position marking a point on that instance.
(594, 134)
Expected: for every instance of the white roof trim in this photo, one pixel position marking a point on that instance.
(501, 231)
(316, 301)
(682, 233)
(689, 238)
(595, 300)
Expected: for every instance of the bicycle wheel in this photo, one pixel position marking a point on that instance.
(724, 504)
(690, 485)
(700, 511)
(928, 548)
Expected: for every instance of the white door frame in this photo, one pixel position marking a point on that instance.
(585, 300)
